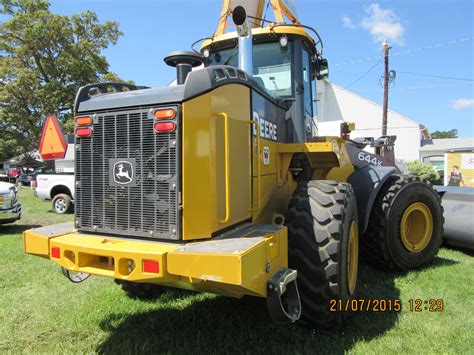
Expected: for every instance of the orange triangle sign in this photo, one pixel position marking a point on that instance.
(52, 145)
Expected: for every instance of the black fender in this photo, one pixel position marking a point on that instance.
(367, 182)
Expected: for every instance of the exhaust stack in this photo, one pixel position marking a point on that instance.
(244, 30)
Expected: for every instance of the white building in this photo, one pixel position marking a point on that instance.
(336, 104)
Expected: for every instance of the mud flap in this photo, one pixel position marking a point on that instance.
(283, 298)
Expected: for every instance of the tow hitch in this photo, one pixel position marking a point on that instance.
(75, 277)
(283, 299)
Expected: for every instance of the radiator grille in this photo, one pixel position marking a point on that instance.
(148, 207)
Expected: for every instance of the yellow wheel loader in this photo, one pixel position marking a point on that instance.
(221, 184)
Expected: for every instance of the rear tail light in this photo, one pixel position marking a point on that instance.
(151, 266)
(165, 114)
(164, 127)
(36, 183)
(84, 121)
(83, 132)
(56, 252)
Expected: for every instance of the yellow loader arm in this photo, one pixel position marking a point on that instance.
(254, 9)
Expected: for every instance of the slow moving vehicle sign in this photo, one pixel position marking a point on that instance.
(52, 145)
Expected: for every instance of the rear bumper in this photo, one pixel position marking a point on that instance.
(10, 215)
(239, 263)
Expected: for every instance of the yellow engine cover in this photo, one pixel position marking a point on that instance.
(216, 163)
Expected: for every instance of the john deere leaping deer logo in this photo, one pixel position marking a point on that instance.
(123, 172)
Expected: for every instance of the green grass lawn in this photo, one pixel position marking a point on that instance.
(41, 311)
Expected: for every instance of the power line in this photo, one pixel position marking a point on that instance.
(434, 76)
(363, 75)
(409, 51)
(416, 87)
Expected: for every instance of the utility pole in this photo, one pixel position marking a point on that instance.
(386, 78)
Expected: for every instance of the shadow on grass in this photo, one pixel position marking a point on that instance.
(11, 229)
(230, 325)
(440, 262)
(69, 213)
(226, 325)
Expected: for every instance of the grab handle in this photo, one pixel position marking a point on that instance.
(227, 169)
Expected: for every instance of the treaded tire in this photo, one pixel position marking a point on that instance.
(319, 218)
(62, 204)
(382, 244)
(141, 291)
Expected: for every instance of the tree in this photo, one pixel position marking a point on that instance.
(44, 59)
(445, 134)
(423, 170)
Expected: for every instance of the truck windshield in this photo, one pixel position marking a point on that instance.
(271, 65)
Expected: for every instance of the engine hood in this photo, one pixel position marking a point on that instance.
(5, 187)
(143, 97)
(197, 83)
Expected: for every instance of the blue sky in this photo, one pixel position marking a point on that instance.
(427, 37)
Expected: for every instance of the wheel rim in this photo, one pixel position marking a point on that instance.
(416, 227)
(352, 257)
(60, 205)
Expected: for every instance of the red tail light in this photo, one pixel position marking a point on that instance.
(36, 182)
(56, 252)
(151, 266)
(83, 132)
(164, 127)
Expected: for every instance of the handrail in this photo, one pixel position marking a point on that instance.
(257, 134)
(227, 173)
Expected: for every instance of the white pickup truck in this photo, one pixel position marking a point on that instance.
(56, 187)
(10, 208)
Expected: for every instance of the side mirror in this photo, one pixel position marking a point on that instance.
(322, 68)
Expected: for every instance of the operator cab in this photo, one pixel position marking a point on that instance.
(285, 63)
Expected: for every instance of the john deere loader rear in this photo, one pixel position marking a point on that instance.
(221, 184)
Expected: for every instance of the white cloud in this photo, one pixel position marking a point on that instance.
(459, 104)
(383, 24)
(347, 22)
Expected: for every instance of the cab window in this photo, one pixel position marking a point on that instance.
(307, 81)
(271, 65)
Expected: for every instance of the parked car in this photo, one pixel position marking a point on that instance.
(10, 208)
(56, 187)
(26, 178)
(13, 174)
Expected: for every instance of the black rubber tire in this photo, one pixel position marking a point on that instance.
(143, 291)
(319, 218)
(381, 244)
(66, 204)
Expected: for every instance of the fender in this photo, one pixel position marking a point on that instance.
(367, 182)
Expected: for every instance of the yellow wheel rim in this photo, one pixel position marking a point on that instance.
(416, 227)
(352, 257)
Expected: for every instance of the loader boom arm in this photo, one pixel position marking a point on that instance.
(255, 10)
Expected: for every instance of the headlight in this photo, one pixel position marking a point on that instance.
(5, 200)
